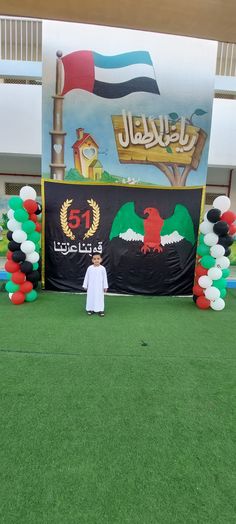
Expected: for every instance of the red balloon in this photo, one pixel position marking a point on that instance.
(30, 205)
(9, 255)
(202, 302)
(33, 217)
(12, 266)
(18, 277)
(200, 271)
(18, 298)
(228, 217)
(38, 227)
(232, 229)
(26, 287)
(197, 290)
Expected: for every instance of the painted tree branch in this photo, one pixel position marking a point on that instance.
(177, 174)
(173, 173)
(164, 168)
(185, 174)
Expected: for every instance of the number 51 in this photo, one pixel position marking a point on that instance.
(75, 218)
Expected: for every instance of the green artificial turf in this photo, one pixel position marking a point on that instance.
(126, 419)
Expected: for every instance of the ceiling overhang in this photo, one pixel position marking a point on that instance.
(210, 19)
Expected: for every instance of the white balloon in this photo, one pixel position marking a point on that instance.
(13, 225)
(28, 192)
(217, 251)
(19, 236)
(27, 247)
(206, 227)
(10, 295)
(214, 273)
(10, 213)
(212, 293)
(210, 239)
(222, 262)
(32, 257)
(222, 203)
(204, 281)
(218, 304)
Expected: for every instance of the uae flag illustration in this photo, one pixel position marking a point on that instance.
(109, 76)
(153, 231)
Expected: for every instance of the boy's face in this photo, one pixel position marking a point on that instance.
(96, 260)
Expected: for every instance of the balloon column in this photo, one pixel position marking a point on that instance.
(212, 268)
(23, 248)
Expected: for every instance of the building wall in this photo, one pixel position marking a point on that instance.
(21, 119)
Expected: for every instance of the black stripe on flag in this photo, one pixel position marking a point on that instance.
(143, 84)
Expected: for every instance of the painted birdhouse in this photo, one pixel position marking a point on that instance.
(85, 152)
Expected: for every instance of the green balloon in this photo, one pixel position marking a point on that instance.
(207, 261)
(223, 293)
(11, 287)
(35, 266)
(203, 250)
(15, 202)
(29, 227)
(21, 215)
(31, 296)
(201, 238)
(35, 237)
(220, 284)
(37, 248)
(225, 273)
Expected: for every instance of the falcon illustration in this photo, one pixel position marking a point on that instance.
(152, 230)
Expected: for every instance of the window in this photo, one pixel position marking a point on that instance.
(14, 189)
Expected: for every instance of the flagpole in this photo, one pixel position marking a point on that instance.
(57, 165)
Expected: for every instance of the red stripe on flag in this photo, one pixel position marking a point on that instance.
(79, 71)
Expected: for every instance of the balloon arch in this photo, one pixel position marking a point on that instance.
(23, 258)
(212, 266)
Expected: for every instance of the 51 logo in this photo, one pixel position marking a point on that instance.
(72, 219)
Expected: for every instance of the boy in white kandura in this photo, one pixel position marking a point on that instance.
(95, 282)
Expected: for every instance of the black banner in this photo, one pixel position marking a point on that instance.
(147, 236)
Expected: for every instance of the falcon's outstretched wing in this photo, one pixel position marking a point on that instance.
(127, 224)
(178, 226)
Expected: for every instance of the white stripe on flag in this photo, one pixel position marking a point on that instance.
(123, 74)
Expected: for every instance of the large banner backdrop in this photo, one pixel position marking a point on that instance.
(147, 236)
(124, 108)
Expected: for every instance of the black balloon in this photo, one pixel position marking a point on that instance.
(9, 235)
(14, 246)
(227, 252)
(221, 228)
(39, 210)
(214, 215)
(195, 298)
(35, 285)
(26, 267)
(226, 240)
(18, 256)
(33, 276)
(230, 240)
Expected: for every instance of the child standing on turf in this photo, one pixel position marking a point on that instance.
(95, 282)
